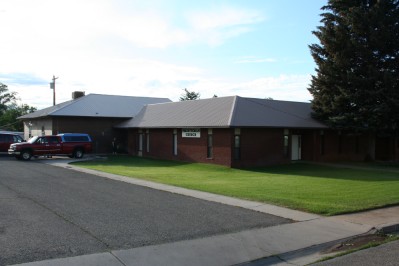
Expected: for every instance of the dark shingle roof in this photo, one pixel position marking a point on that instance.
(98, 105)
(233, 111)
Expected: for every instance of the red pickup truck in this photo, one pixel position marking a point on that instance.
(70, 144)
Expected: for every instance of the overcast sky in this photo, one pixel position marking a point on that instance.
(250, 48)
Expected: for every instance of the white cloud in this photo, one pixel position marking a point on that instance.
(282, 87)
(51, 24)
(71, 39)
(109, 76)
(253, 59)
(223, 17)
(48, 36)
(152, 28)
(219, 24)
(156, 79)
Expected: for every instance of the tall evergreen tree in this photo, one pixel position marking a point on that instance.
(356, 85)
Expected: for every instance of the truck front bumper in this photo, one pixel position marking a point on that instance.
(12, 152)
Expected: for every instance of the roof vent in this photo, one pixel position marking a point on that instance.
(77, 94)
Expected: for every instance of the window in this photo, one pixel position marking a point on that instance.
(9, 138)
(322, 143)
(237, 147)
(237, 143)
(147, 137)
(286, 141)
(174, 142)
(140, 141)
(77, 138)
(209, 153)
(53, 140)
(41, 141)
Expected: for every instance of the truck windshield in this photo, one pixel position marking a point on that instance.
(33, 139)
(17, 139)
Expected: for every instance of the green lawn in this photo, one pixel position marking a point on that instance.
(318, 189)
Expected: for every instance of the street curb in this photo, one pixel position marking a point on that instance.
(311, 254)
(387, 229)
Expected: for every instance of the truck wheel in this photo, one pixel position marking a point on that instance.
(26, 155)
(78, 154)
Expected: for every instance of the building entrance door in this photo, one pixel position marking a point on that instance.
(296, 147)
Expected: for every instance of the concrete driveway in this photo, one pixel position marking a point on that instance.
(50, 212)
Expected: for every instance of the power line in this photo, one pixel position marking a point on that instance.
(10, 124)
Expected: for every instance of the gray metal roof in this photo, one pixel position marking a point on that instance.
(213, 112)
(250, 112)
(98, 105)
(233, 111)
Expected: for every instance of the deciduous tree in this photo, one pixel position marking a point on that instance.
(10, 110)
(6, 98)
(189, 95)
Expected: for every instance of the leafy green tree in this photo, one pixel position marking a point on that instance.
(189, 95)
(6, 98)
(9, 110)
(356, 85)
(8, 119)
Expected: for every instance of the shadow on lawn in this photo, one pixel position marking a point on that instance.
(345, 172)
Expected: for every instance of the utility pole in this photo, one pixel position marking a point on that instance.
(52, 86)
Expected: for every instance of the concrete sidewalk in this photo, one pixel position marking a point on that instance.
(297, 243)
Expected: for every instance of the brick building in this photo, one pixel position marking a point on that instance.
(232, 131)
(242, 132)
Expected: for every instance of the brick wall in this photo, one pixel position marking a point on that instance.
(341, 146)
(259, 146)
(188, 149)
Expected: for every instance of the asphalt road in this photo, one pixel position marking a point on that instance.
(386, 254)
(49, 212)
